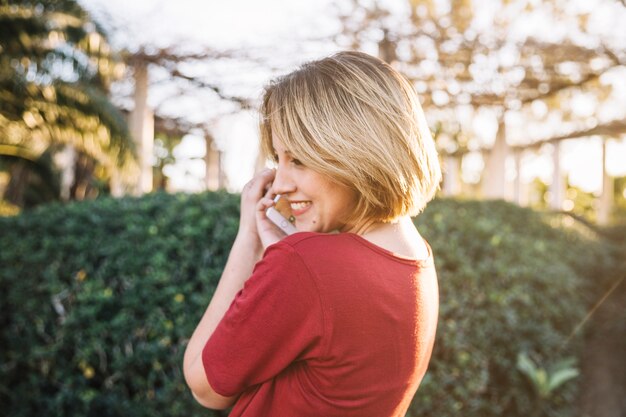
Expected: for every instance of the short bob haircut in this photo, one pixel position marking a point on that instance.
(354, 118)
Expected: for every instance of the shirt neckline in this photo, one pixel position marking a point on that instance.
(406, 259)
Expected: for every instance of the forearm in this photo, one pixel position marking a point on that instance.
(244, 254)
(246, 251)
(241, 260)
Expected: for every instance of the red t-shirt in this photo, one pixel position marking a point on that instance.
(327, 325)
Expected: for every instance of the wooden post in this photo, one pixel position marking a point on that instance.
(213, 178)
(222, 177)
(142, 129)
(66, 163)
(557, 187)
(517, 185)
(606, 198)
(494, 174)
(117, 188)
(387, 48)
(451, 176)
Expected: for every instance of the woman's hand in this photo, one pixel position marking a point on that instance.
(269, 233)
(256, 198)
(252, 193)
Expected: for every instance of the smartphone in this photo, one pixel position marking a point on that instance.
(280, 215)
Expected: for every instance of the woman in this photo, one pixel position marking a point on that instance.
(338, 319)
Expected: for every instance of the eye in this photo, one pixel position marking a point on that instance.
(296, 162)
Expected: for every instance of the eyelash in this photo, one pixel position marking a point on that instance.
(296, 162)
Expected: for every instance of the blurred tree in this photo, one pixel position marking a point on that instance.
(178, 67)
(55, 71)
(484, 67)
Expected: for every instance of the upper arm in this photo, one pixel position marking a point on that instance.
(275, 320)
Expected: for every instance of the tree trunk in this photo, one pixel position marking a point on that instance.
(19, 178)
(82, 187)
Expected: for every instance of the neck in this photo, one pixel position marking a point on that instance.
(372, 228)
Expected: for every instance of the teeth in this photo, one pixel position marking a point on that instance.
(300, 205)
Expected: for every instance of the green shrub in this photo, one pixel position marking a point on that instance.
(512, 281)
(99, 298)
(97, 301)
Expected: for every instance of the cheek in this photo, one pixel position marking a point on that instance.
(346, 199)
(342, 205)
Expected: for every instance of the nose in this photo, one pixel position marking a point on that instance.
(283, 181)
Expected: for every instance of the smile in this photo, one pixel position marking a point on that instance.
(299, 207)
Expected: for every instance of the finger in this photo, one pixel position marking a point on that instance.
(264, 204)
(269, 193)
(268, 175)
(261, 182)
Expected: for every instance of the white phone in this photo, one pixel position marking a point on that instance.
(280, 216)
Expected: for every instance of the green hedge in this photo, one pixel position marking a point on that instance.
(512, 281)
(97, 300)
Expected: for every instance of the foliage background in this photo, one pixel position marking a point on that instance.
(97, 300)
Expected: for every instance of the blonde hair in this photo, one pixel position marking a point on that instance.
(354, 118)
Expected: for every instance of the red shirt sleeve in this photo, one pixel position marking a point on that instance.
(274, 320)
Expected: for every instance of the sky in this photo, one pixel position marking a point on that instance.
(262, 26)
(229, 23)
(222, 25)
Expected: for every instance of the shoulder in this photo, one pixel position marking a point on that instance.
(312, 249)
(282, 267)
(319, 248)
(295, 251)
(304, 242)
